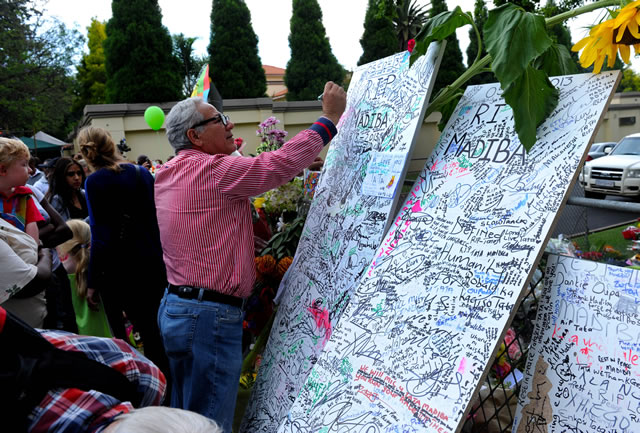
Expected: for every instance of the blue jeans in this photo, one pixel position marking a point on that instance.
(203, 341)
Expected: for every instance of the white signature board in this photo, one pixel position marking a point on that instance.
(365, 165)
(425, 320)
(583, 369)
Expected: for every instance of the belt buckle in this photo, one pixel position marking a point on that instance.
(184, 290)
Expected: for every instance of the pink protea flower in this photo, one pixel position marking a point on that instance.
(411, 44)
(513, 345)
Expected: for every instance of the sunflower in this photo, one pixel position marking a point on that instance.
(611, 36)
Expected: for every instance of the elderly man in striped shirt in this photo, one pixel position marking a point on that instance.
(202, 201)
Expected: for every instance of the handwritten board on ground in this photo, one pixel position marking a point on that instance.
(425, 320)
(583, 369)
(386, 103)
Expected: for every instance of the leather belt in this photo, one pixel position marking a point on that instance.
(190, 292)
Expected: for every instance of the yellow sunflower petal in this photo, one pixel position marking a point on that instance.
(581, 44)
(632, 5)
(636, 48)
(621, 31)
(633, 28)
(588, 57)
(612, 55)
(625, 52)
(623, 17)
(598, 65)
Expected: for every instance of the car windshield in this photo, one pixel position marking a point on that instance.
(628, 146)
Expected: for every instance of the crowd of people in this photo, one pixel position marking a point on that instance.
(91, 243)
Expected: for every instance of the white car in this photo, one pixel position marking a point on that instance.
(617, 173)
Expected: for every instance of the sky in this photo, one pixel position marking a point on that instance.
(343, 21)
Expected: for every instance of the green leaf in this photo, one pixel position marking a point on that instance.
(276, 241)
(438, 28)
(514, 38)
(556, 61)
(532, 98)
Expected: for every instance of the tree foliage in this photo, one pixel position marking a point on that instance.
(235, 67)
(379, 38)
(480, 16)
(312, 63)
(190, 64)
(409, 18)
(139, 56)
(630, 81)
(92, 75)
(451, 66)
(36, 86)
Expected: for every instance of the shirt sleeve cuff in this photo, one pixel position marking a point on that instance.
(325, 128)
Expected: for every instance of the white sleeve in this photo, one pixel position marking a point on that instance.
(15, 273)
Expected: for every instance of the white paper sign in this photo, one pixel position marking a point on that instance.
(383, 174)
(583, 369)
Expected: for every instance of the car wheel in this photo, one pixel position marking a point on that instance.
(596, 195)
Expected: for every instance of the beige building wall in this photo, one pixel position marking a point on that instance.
(127, 121)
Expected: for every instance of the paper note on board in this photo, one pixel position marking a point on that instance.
(383, 174)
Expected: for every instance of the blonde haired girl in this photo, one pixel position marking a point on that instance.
(74, 255)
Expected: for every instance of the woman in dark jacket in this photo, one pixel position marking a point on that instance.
(126, 267)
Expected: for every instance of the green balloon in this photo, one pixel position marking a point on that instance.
(154, 116)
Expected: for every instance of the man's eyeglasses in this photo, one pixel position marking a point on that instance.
(215, 119)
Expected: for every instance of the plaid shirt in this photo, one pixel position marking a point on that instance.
(204, 214)
(73, 410)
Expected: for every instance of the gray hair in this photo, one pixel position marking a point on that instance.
(184, 114)
(158, 419)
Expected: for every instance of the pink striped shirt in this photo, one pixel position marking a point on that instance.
(204, 215)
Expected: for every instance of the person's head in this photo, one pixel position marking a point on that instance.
(66, 180)
(159, 419)
(48, 166)
(193, 123)
(14, 163)
(144, 161)
(98, 148)
(84, 166)
(34, 161)
(74, 254)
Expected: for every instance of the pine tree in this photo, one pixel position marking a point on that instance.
(139, 57)
(92, 75)
(235, 67)
(379, 38)
(451, 66)
(312, 63)
(480, 15)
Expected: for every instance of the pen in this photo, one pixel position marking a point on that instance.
(320, 97)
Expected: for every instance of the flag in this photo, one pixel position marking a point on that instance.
(202, 85)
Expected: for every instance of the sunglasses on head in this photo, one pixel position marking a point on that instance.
(215, 119)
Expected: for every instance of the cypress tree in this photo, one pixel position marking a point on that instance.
(312, 63)
(235, 67)
(451, 66)
(379, 38)
(92, 75)
(139, 57)
(480, 15)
